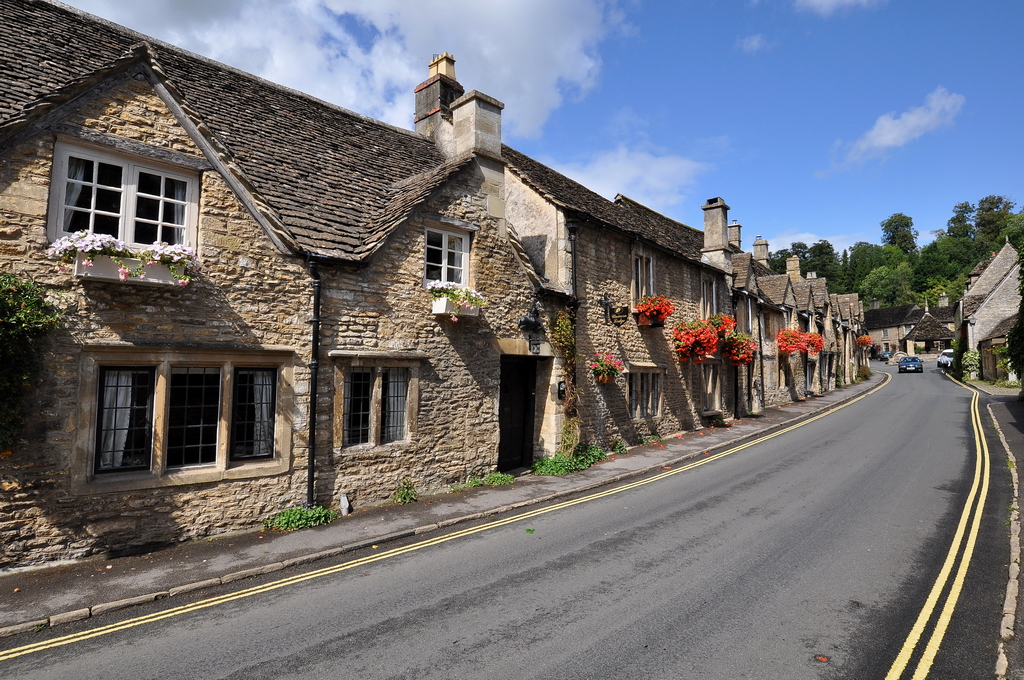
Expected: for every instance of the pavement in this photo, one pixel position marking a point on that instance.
(35, 598)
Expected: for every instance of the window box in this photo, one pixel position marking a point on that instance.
(443, 305)
(105, 269)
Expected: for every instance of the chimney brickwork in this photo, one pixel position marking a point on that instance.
(793, 268)
(761, 251)
(716, 234)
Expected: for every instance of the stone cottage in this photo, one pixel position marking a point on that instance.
(990, 306)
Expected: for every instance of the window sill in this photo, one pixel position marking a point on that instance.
(115, 482)
(105, 269)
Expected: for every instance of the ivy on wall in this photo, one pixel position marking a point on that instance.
(25, 320)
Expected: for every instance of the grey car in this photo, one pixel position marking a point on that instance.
(910, 365)
(945, 358)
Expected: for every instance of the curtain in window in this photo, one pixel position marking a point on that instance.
(263, 388)
(77, 168)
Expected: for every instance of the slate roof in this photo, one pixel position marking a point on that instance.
(1001, 329)
(774, 288)
(945, 314)
(889, 317)
(335, 180)
(623, 214)
(930, 328)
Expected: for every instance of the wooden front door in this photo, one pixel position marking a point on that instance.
(516, 412)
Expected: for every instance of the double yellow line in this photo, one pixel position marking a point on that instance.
(969, 525)
(395, 552)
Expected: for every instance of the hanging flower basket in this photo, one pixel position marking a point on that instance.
(605, 367)
(865, 341)
(695, 340)
(791, 341)
(652, 310)
(815, 342)
(454, 301)
(722, 324)
(738, 348)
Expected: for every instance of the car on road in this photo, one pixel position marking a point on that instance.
(885, 356)
(945, 358)
(910, 365)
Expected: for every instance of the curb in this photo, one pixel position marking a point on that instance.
(1009, 621)
(96, 610)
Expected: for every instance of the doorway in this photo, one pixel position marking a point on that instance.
(516, 412)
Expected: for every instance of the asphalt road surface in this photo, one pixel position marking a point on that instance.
(808, 555)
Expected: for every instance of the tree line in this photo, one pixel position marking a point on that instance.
(897, 271)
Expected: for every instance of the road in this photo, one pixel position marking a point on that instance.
(808, 555)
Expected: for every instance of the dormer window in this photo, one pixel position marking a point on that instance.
(133, 200)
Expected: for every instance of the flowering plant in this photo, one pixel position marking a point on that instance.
(655, 305)
(695, 340)
(180, 260)
(723, 323)
(865, 341)
(815, 342)
(606, 364)
(792, 341)
(461, 297)
(738, 348)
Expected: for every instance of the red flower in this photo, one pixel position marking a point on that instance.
(655, 305)
(738, 348)
(695, 340)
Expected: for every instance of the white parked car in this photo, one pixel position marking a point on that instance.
(945, 358)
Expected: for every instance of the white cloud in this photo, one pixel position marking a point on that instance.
(753, 44)
(939, 110)
(658, 181)
(827, 7)
(368, 55)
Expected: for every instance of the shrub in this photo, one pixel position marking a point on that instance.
(301, 517)
(25, 319)
(560, 464)
(863, 373)
(619, 445)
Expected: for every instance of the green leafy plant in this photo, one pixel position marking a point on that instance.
(560, 464)
(405, 492)
(302, 517)
(619, 445)
(971, 362)
(26, 318)
(498, 479)
(863, 373)
(471, 483)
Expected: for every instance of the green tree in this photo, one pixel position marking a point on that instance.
(961, 224)
(898, 230)
(823, 259)
(865, 257)
(992, 216)
(777, 260)
(889, 285)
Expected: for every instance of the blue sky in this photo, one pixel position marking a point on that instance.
(814, 119)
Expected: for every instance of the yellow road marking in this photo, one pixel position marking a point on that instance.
(395, 552)
(982, 473)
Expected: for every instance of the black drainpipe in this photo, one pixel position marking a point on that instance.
(314, 369)
(572, 225)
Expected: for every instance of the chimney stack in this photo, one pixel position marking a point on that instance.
(812, 275)
(943, 300)
(874, 303)
(477, 119)
(793, 268)
(716, 234)
(761, 250)
(734, 235)
(435, 95)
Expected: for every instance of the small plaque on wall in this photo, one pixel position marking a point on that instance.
(618, 315)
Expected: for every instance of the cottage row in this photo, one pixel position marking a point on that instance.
(335, 305)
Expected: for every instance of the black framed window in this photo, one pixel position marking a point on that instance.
(193, 416)
(644, 394)
(357, 405)
(394, 386)
(124, 433)
(253, 413)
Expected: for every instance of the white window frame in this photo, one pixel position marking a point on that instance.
(644, 280)
(88, 478)
(130, 166)
(885, 333)
(644, 389)
(462, 264)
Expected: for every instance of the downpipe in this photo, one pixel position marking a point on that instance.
(314, 370)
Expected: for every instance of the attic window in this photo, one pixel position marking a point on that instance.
(137, 202)
(446, 258)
